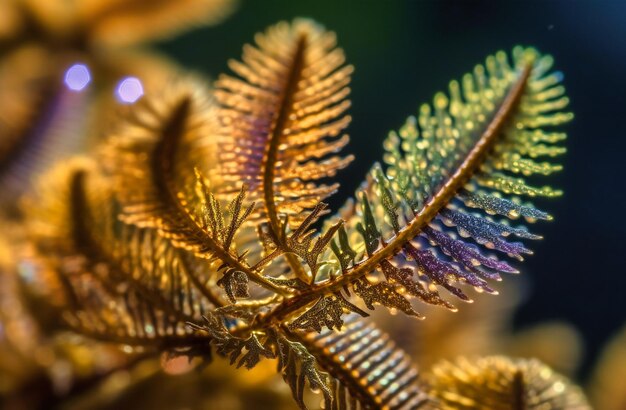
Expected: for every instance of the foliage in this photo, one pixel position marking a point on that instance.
(501, 383)
(192, 230)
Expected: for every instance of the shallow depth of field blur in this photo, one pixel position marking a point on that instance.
(565, 308)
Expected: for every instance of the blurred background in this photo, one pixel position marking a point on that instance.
(68, 68)
(406, 50)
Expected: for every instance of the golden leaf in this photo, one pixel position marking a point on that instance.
(281, 115)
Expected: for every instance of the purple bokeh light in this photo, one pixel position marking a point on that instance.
(77, 77)
(129, 90)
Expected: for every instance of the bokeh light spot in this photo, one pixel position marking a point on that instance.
(77, 77)
(129, 90)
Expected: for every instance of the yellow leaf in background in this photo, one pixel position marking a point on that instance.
(123, 22)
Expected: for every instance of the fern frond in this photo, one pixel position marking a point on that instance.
(153, 158)
(327, 312)
(368, 370)
(356, 367)
(298, 367)
(458, 167)
(299, 241)
(122, 284)
(280, 117)
(499, 383)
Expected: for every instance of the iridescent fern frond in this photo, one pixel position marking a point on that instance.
(153, 158)
(280, 118)
(368, 370)
(500, 383)
(192, 190)
(432, 218)
(298, 367)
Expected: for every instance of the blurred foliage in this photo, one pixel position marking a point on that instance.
(43, 366)
(607, 389)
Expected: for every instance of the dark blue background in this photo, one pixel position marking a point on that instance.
(405, 51)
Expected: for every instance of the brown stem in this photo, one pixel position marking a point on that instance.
(291, 87)
(163, 166)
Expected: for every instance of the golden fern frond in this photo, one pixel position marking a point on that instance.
(122, 284)
(280, 116)
(33, 340)
(121, 23)
(153, 157)
(357, 367)
(366, 370)
(454, 168)
(500, 383)
(137, 254)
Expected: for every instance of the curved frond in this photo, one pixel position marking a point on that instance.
(434, 217)
(368, 370)
(121, 283)
(159, 158)
(281, 116)
(499, 383)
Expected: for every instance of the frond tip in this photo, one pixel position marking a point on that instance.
(369, 370)
(500, 383)
(281, 115)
